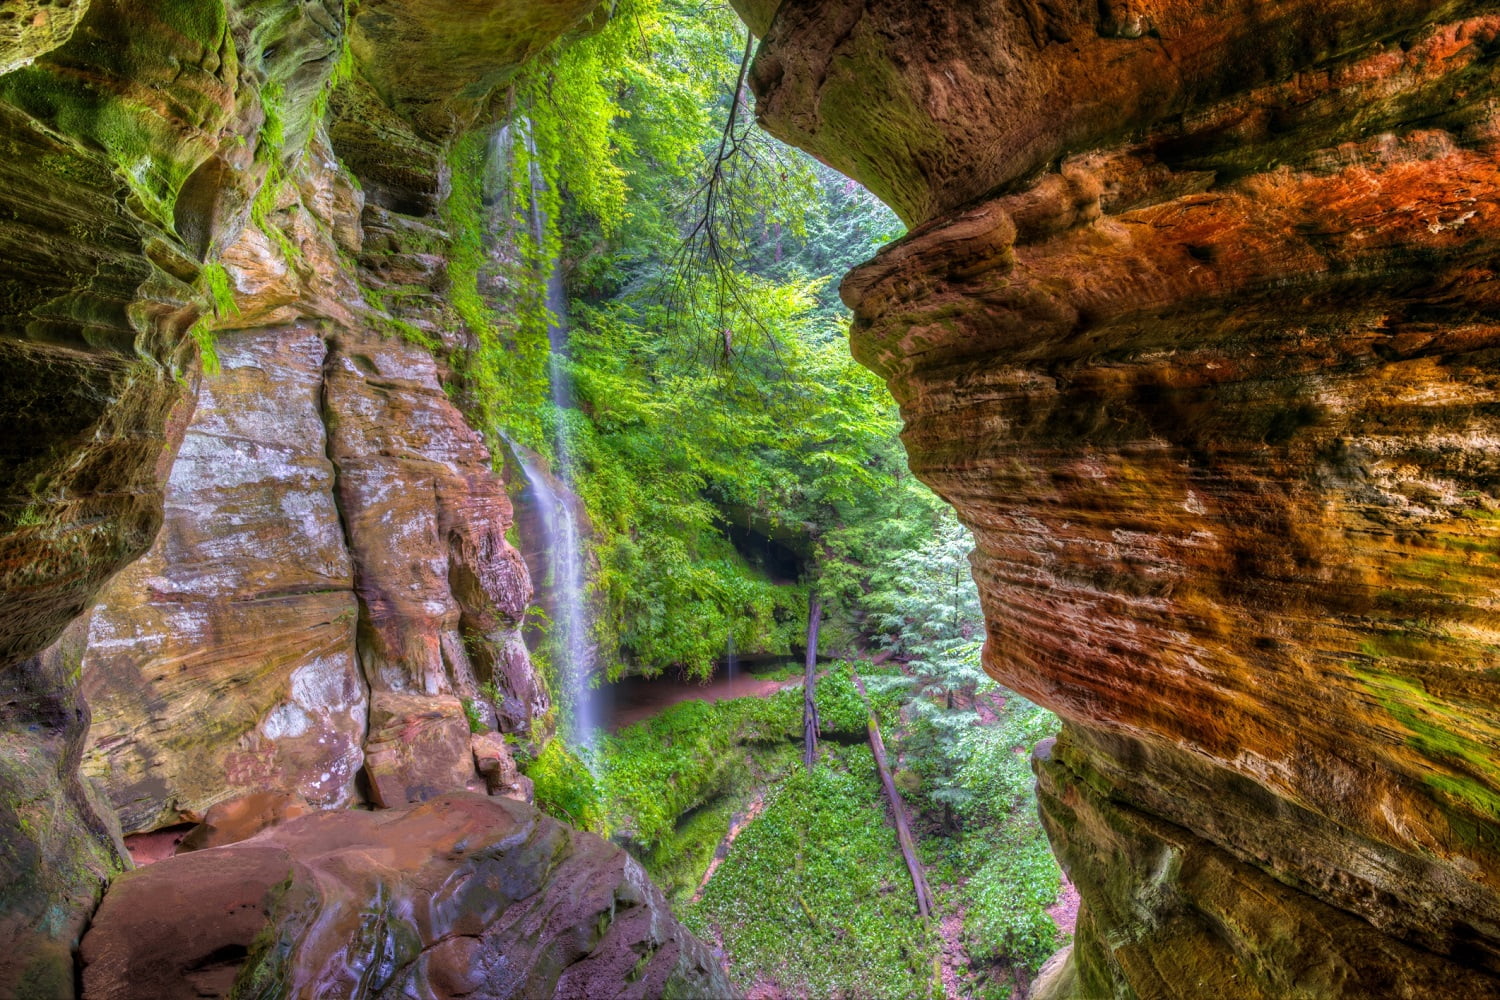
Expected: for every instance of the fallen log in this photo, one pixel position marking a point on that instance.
(809, 681)
(898, 810)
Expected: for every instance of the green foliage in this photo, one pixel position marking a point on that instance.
(841, 710)
(814, 895)
(1008, 872)
(694, 405)
(564, 786)
(1007, 899)
(795, 440)
(996, 769)
(505, 370)
(929, 611)
(475, 716)
(840, 227)
(656, 771)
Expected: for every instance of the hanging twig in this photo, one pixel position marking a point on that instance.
(714, 244)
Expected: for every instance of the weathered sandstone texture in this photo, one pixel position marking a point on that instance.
(462, 896)
(1196, 329)
(332, 578)
(332, 558)
(130, 134)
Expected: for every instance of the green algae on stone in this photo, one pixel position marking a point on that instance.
(1465, 743)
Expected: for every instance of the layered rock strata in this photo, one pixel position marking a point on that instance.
(462, 896)
(1196, 330)
(168, 183)
(332, 581)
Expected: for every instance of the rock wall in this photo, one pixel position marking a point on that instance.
(1196, 330)
(331, 575)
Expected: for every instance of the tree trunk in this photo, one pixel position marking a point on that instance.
(809, 680)
(898, 810)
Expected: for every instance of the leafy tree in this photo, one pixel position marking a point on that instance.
(711, 380)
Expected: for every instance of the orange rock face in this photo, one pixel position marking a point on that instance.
(1197, 335)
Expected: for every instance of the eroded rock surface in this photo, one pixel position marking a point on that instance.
(242, 615)
(167, 175)
(463, 896)
(1196, 332)
(332, 579)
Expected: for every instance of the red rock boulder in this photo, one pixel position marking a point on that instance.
(462, 896)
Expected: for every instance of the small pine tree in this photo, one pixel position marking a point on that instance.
(932, 619)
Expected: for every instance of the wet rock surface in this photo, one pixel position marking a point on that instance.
(168, 182)
(332, 578)
(242, 615)
(462, 896)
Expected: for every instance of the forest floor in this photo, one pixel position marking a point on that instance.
(796, 878)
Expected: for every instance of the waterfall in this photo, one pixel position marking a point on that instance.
(562, 544)
(731, 658)
(571, 647)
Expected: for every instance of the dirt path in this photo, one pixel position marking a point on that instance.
(951, 928)
(1064, 912)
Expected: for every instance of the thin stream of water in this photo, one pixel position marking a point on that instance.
(563, 543)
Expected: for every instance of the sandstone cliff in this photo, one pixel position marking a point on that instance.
(1195, 329)
(324, 591)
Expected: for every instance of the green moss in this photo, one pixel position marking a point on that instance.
(262, 210)
(220, 287)
(204, 22)
(343, 71)
(1481, 798)
(814, 895)
(385, 321)
(202, 333)
(1418, 642)
(564, 787)
(273, 130)
(48, 974)
(1442, 733)
(136, 141)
